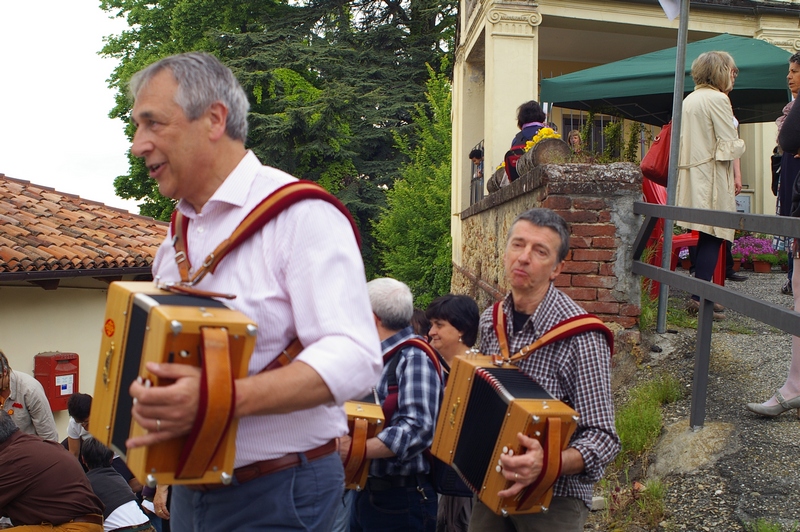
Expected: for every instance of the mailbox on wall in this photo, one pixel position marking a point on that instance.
(58, 375)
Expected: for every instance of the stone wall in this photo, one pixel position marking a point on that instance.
(597, 202)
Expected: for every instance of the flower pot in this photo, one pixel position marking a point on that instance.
(747, 265)
(737, 265)
(686, 264)
(760, 266)
(784, 267)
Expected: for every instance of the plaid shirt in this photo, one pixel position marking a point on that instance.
(419, 394)
(576, 370)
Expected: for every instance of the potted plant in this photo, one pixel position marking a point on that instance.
(750, 245)
(763, 262)
(737, 261)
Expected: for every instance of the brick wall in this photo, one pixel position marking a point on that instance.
(597, 202)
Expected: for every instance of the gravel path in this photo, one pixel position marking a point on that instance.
(759, 477)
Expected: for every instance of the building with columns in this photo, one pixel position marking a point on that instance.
(504, 48)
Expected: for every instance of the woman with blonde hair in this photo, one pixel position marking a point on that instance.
(709, 145)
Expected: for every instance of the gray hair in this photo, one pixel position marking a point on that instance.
(546, 218)
(7, 426)
(392, 302)
(202, 80)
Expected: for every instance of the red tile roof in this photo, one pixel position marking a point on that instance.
(43, 230)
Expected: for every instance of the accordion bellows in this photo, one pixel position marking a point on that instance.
(484, 408)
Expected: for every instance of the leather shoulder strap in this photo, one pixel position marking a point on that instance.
(421, 344)
(565, 329)
(499, 324)
(269, 208)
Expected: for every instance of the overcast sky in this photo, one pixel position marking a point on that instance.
(54, 99)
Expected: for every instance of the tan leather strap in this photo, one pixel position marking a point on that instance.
(499, 322)
(269, 208)
(551, 467)
(564, 329)
(357, 454)
(287, 355)
(215, 411)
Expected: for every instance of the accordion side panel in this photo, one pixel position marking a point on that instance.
(528, 416)
(113, 343)
(163, 344)
(373, 413)
(451, 415)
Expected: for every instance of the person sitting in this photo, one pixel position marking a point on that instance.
(530, 119)
(42, 485)
(23, 398)
(122, 510)
(79, 405)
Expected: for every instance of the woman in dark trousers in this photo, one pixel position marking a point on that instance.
(787, 397)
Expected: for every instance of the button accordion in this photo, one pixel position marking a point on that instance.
(146, 324)
(484, 408)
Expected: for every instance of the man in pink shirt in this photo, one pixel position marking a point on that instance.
(300, 276)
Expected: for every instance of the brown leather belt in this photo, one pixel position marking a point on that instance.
(95, 519)
(267, 467)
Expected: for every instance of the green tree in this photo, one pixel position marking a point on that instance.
(414, 231)
(330, 83)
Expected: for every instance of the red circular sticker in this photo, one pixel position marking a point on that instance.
(109, 327)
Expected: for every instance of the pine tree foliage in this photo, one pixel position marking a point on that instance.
(414, 231)
(330, 83)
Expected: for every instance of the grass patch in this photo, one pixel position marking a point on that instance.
(762, 525)
(638, 424)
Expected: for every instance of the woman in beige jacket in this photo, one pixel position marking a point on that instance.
(708, 147)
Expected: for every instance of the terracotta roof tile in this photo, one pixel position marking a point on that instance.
(42, 229)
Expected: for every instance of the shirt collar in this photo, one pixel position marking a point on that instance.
(538, 319)
(400, 336)
(234, 190)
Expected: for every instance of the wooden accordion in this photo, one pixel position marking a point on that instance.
(484, 408)
(364, 421)
(146, 324)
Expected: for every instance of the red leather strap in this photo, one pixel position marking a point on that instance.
(499, 323)
(269, 208)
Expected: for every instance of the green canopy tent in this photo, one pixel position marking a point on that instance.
(640, 88)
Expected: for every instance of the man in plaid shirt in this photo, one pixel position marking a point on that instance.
(399, 495)
(576, 370)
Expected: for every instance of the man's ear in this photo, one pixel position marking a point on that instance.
(218, 119)
(557, 270)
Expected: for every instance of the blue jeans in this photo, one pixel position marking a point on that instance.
(401, 509)
(299, 498)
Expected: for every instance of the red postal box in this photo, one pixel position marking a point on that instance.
(58, 375)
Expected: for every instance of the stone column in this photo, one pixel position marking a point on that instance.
(512, 66)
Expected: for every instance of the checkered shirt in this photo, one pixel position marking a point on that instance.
(419, 394)
(576, 370)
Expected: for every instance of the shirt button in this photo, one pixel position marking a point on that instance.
(200, 229)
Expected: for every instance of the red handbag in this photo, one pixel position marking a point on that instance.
(655, 164)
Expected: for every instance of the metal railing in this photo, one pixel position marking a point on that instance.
(779, 317)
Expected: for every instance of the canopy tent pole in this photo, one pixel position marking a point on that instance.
(672, 175)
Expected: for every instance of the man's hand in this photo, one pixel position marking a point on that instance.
(522, 469)
(160, 501)
(166, 412)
